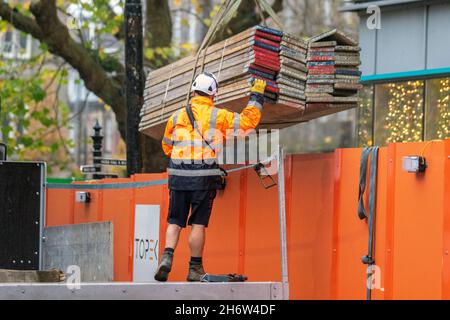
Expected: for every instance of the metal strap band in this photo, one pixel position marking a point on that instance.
(221, 59)
(193, 173)
(167, 90)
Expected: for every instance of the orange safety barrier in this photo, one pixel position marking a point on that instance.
(325, 237)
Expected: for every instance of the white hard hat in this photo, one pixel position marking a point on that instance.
(205, 82)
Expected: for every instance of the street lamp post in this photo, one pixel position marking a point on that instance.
(134, 81)
(97, 153)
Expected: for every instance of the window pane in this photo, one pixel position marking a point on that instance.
(437, 112)
(365, 116)
(322, 134)
(23, 37)
(398, 112)
(8, 42)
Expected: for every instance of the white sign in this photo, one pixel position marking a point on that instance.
(146, 243)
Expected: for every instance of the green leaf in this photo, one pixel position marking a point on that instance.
(26, 141)
(37, 93)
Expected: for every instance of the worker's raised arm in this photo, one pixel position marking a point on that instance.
(249, 117)
(167, 141)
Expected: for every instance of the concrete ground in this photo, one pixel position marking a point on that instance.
(150, 291)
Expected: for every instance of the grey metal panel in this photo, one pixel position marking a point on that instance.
(438, 51)
(367, 42)
(383, 3)
(401, 41)
(88, 246)
(150, 291)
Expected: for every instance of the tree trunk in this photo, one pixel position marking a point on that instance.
(158, 24)
(158, 34)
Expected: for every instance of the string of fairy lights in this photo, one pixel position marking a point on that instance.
(404, 114)
(365, 117)
(443, 109)
(403, 122)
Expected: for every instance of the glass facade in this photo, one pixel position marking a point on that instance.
(437, 109)
(365, 117)
(405, 111)
(398, 112)
(322, 134)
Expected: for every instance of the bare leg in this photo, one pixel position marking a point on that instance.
(172, 235)
(197, 240)
(165, 266)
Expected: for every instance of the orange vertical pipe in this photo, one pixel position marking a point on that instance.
(390, 220)
(336, 209)
(446, 225)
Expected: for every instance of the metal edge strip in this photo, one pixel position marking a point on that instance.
(125, 185)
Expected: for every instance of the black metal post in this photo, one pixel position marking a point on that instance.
(97, 138)
(3, 152)
(3, 147)
(134, 81)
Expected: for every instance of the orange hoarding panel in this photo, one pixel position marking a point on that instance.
(310, 225)
(446, 225)
(418, 225)
(325, 237)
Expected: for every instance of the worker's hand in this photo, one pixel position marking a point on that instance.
(259, 86)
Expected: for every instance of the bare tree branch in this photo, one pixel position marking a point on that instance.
(47, 28)
(200, 19)
(57, 37)
(246, 18)
(19, 21)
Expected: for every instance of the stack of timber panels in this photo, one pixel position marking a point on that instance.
(292, 76)
(236, 62)
(300, 86)
(333, 75)
(264, 64)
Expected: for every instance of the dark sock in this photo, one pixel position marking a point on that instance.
(196, 261)
(169, 250)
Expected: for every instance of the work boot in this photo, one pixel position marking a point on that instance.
(195, 272)
(164, 267)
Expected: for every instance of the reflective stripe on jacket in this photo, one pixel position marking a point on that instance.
(193, 164)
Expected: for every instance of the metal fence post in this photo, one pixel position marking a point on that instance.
(282, 216)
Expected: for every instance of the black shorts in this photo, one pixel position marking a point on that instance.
(181, 202)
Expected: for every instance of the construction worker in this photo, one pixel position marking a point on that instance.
(194, 174)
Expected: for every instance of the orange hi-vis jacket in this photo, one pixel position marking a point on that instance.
(193, 164)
